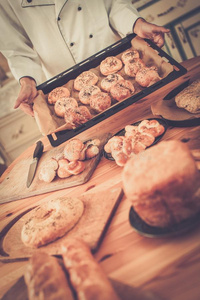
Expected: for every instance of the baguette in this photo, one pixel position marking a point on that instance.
(79, 278)
(85, 274)
(45, 278)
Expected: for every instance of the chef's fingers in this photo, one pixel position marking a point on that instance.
(27, 109)
(158, 39)
(28, 91)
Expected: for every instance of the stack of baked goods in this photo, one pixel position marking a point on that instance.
(71, 161)
(162, 184)
(92, 92)
(136, 139)
(79, 276)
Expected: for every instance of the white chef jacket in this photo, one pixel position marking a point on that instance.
(46, 37)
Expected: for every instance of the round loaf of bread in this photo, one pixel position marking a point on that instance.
(162, 183)
(51, 220)
(189, 98)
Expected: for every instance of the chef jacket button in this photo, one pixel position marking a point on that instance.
(91, 36)
(29, 1)
(58, 18)
(79, 8)
(71, 44)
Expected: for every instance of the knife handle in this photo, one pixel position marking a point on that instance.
(38, 149)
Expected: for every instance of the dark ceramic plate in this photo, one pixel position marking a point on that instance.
(150, 231)
(122, 133)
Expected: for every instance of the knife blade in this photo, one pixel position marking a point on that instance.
(33, 166)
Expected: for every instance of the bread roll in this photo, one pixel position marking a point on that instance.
(85, 274)
(45, 278)
(162, 184)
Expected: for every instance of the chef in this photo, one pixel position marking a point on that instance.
(42, 38)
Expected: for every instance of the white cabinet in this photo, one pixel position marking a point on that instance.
(18, 131)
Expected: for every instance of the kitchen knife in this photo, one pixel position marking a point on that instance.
(33, 166)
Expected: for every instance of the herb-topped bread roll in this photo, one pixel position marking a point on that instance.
(162, 184)
(189, 98)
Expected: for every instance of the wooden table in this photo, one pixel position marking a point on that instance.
(167, 267)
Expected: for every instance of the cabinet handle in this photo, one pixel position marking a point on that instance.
(18, 132)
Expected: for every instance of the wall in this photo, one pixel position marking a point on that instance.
(182, 17)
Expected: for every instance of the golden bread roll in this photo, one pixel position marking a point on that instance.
(133, 66)
(58, 93)
(85, 78)
(64, 103)
(129, 55)
(86, 92)
(122, 89)
(110, 65)
(162, 184)
(146, 76)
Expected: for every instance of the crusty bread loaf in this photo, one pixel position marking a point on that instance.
(189, 98)
(85, 274)
(162, 184)
(79, 278)
(45, 278)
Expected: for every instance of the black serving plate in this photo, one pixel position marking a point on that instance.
(122, 133)
(150, 231)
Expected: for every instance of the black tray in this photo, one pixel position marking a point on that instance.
(157, 139)
(60, 137)
(152, 232)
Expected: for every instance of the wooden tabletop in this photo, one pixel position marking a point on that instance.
(161, 268)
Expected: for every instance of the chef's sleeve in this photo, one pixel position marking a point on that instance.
(16, 46)
(122, 16)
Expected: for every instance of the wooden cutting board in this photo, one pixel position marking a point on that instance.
(98, 211)
(13, 187)
(125, 292)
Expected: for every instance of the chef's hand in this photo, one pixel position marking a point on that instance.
(27, 94)
(150, 31)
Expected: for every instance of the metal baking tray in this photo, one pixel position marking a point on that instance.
(60, 137)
